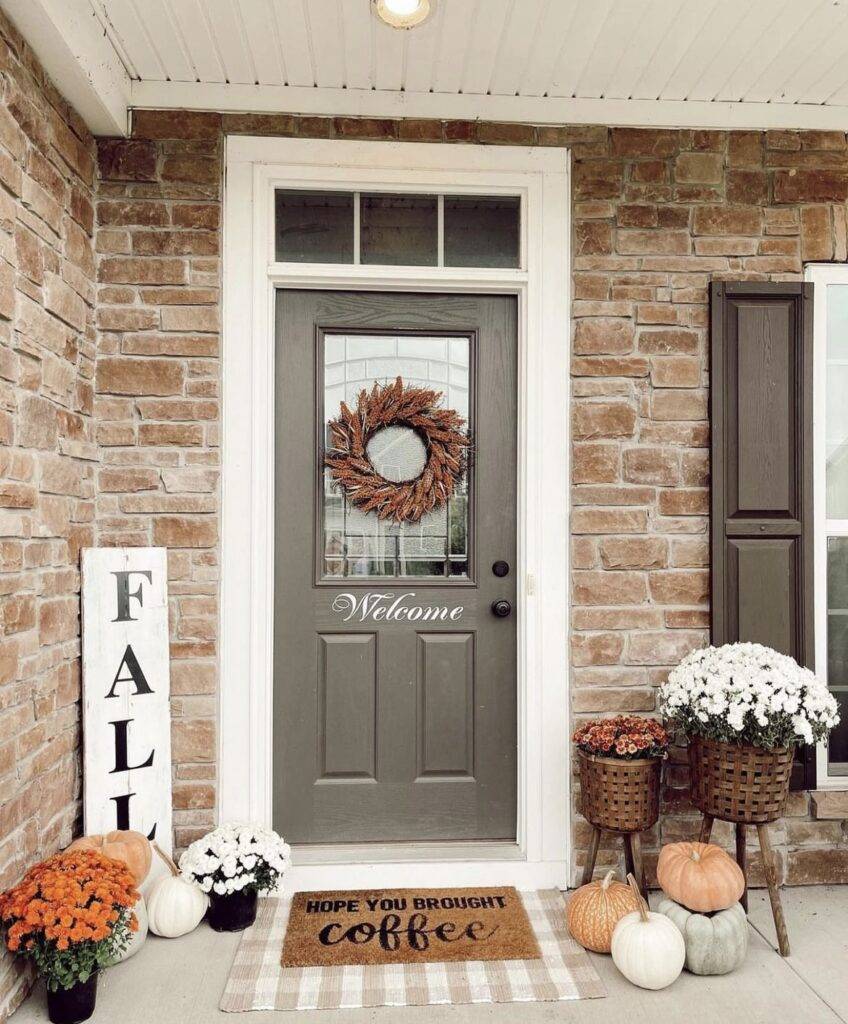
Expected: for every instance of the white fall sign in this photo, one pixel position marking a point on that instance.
(126, 692)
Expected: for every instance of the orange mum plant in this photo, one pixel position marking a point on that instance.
(71, 914)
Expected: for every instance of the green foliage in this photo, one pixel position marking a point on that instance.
(63, 968)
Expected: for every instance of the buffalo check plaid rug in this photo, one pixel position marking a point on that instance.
(257, 981)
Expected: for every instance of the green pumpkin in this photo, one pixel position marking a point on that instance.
(715, 943)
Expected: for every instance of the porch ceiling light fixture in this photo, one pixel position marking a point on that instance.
(402, 13)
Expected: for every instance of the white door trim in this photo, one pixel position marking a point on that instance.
(822, 275)
(255, 166)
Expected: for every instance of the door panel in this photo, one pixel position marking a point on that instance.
(757, 568)
(347, 704)
(395, 684)
(445, 704)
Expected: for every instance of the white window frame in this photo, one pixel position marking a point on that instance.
(254, 168)
(822, 275)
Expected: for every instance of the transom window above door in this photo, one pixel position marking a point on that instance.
(397, 229)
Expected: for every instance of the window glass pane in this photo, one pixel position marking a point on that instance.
(314, 227)
(837, 647)
(358, 544)
(836, 406)
(399, 230)
(482, 231)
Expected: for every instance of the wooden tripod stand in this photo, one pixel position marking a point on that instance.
(769, 870)
(632, 856)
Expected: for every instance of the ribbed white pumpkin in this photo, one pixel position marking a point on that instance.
(647, 948)
(714, 945)
(161, 866)
(175, 907)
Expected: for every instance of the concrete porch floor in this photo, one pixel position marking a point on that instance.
(180, 982)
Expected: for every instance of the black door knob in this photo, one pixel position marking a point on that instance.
(501, 609)
(500, 568)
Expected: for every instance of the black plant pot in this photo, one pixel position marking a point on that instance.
(233, 912)
(71, 1005)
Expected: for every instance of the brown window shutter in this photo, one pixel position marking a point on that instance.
(761, 382)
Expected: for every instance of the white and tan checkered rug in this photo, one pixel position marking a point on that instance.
(258, 982)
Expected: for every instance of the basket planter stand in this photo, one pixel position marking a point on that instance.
(746, 786)
(622, 798)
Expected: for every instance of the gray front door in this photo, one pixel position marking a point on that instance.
(394, 678)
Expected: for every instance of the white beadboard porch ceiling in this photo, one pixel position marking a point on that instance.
(729, 63)
(759, 51)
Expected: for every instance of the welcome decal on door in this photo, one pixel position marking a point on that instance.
(126, 692)
(392, 607)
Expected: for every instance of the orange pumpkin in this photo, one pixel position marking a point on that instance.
(701, 876)
(595, 909)
(132, 848)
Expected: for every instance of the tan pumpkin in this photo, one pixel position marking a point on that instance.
(132, 848)
(595, 909)
(700, 876)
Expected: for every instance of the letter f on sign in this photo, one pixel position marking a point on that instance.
(124, 595)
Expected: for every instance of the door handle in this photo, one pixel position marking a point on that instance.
(501, 609)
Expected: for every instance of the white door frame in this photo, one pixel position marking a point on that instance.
(822, 275)
(255, 167)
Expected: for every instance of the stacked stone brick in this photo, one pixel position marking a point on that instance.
(157, 404)
(134, 458)
(657, 214)
(48, 456)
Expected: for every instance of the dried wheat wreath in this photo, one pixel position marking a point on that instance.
(442, 431)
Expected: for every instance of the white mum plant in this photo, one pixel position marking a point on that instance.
(747, 693)
(234, 857)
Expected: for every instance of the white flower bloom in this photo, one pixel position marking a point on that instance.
(748, 693)
(235, 856)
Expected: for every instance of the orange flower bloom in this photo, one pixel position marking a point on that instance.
(73, 897)
(623, 736)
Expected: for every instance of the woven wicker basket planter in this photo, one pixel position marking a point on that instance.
(617, 795)
(739, 783)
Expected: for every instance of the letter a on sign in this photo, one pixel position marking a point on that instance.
(126, 692)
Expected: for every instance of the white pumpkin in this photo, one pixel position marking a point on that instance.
(715, 944)
(646, 947)
(161, 866)
(175, 907)
(136, 938)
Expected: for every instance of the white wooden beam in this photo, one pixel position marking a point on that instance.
(71, 43)
(528, 109)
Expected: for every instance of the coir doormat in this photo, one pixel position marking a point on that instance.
(405, 926)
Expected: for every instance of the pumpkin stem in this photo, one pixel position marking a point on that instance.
(643, 906)
(605, 881)
(169, 861)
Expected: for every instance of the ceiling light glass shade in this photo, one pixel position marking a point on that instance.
(402, 13)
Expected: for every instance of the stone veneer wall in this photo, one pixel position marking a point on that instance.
(157, 404)
(47, 460)
(657, 213)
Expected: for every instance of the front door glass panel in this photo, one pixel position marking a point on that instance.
(356, 544)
